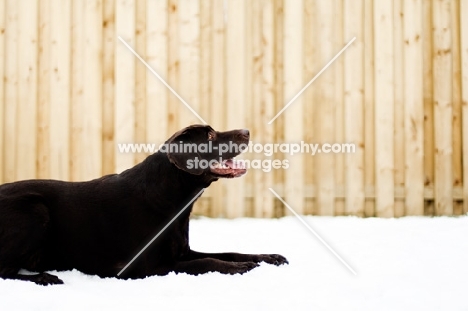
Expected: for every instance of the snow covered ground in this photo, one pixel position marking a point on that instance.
(402, 264)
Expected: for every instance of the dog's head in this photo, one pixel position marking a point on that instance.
(199, 149)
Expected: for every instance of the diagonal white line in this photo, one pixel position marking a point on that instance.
(315, 233)
(159, 233)
(161, 79)
(313, 79)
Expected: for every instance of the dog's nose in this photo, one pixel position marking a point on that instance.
(245, 133)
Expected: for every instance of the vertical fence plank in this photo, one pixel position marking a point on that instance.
(92, 89)
(354, 106)
(369, 101)
(86, 123)
(140, 78)
(173, 61)
(339, 158)
(251, 36)
(11, 95)
(205, 104)
(76, 169)
(457, 103)
(43, 94)
(189, 78)
(27, 89)
(384, 107)
(443, 107)
(189, 53)
(60, 50)
(236, 92)
(464, 64)
(124, 82)
(326, 107)
(293, 82)
(218, 66)
(428, 104)
(256, 95)
(218, 91)
(268, 78)
(206, 34)
(398, 98)
(311, 67)
(108, 83)
(413, 108)
(278, 175)
(3, 150)
(157, 57)
(262, 100)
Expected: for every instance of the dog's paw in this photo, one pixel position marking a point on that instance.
(242, 267)
(274, 259)
(46, 279)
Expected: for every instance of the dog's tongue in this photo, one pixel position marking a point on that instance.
(229, 163)
(234, 164)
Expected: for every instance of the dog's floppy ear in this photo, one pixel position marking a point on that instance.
(182, 151)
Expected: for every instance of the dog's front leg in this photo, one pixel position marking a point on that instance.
(205, 265)
(237, 257)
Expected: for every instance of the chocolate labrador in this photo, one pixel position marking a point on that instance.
(99, 226)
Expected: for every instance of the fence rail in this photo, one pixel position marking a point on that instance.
(71, 91)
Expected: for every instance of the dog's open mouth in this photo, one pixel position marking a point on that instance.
(229, 168)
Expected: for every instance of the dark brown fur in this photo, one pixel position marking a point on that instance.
(99, 225)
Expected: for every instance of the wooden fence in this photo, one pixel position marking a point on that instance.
(72, 91)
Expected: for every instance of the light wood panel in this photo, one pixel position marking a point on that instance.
(71, 92)
(265, 202)
(189, 60)
(236, 93)
(2, 88)
(428, 102)
(92, 90)
(326, 107)
(443, 107)
(354, 106)
(384, 107)
(293, 83)
(173, 64)
(217, 116)
(398, 97)
(464, 64)
(338, 67)
(413, 107)
(457, 103)
(124, 96)
(11, 93)
(311, 67)
(27, 89)
(369, 102)
(60, 69)
(44, 97)
(140, 78)
(108, 85)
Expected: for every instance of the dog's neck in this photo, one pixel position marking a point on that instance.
(157, 173)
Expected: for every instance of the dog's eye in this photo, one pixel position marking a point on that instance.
(211, 136)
